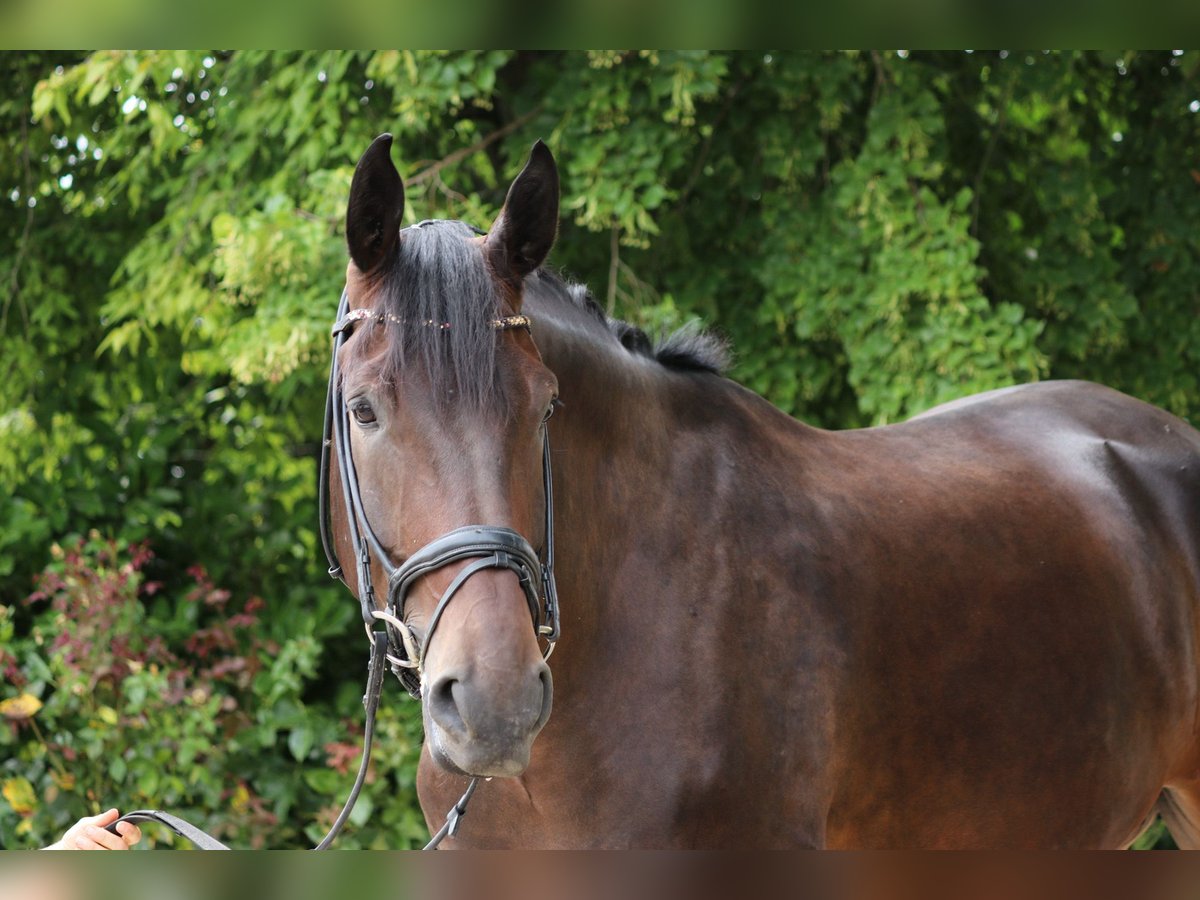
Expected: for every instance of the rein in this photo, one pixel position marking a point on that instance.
(392, 640)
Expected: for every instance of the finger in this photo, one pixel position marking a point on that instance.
(105, 818)
(130, 832)
(83, 842)
(104, 838)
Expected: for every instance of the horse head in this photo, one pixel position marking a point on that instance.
(441, 415)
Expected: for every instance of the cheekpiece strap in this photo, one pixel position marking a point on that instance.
(347, 321)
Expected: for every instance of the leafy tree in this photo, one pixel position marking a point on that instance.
(875, 233)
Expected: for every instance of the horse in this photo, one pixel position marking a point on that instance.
(976, 628)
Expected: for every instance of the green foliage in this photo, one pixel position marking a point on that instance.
(183, 702)
(875, 232)
(1156, 837)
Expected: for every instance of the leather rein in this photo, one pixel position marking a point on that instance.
(392, 640)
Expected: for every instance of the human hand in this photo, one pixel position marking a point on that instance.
(90, 833)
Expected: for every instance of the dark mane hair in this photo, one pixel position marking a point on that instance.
(689, 348)
(440, 287)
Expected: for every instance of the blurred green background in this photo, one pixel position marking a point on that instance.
(875, 233)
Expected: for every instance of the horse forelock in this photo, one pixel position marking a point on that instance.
(440, 288)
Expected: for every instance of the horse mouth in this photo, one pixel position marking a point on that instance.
(484, 757)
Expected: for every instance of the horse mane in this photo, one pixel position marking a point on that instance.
(688, 348)
(439, 286)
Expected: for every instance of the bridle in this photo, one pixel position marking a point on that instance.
(489, 546)
(392, 639)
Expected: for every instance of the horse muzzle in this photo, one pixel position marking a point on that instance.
(486, 726)
(484, 683)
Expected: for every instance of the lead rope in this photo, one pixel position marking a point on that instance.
(454, 817)
(371, 702)
(205, 841)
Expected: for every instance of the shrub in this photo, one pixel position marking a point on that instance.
(116, 695)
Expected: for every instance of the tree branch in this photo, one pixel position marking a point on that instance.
(702, 157)
(987, 154)
(14, 289)
(461, 154)
(614, 262)
(881, 78)
(332, 221)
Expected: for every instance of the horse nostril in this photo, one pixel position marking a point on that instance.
(443, 706)
(513, 710)
(547, 694)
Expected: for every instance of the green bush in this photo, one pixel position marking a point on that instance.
(123, 695)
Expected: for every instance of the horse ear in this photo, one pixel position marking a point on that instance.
(522, 235)
(376, 206)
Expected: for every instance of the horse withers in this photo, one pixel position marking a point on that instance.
(973, 629)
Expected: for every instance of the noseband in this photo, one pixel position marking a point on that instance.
(489, 546)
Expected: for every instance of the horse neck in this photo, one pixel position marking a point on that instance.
(612, 433)
(635, 450)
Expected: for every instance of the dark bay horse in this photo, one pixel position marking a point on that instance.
(977, 628)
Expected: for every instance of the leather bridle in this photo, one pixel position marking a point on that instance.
(488, 546)
(392, 639)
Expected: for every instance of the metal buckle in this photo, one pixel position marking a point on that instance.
(407, 638)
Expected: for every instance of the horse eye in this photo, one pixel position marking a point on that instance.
(554, 404)
(363, 414)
